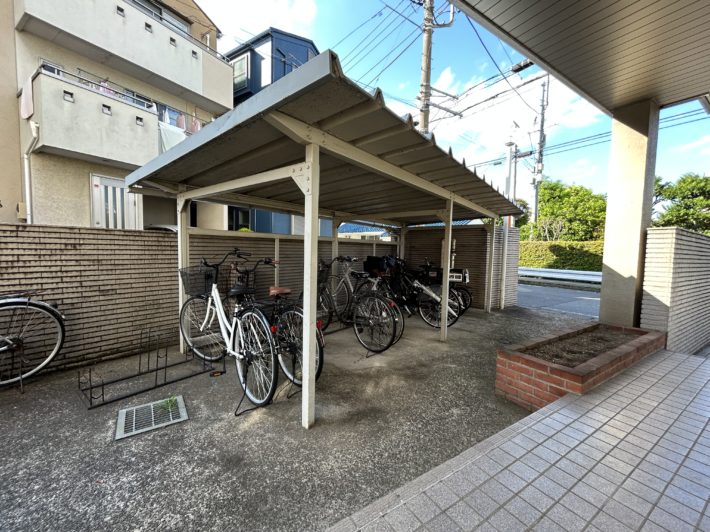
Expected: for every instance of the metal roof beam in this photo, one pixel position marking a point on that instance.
(352, 113)
(409, 214)
(269, 176)
(305, 133)
(380, 135)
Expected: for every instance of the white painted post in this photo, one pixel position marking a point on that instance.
(446, 266)
(334, 249)
(277, 258)
(183, 219)
(403, 241)
(311, 189)
(491, 262)
(504, 261)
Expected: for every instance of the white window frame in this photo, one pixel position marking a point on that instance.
(244, 58)
(106, 193)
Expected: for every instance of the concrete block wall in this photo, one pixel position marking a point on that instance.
(111, 284)
(472, 246)
(676, 287)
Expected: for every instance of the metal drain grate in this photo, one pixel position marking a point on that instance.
(154, 415)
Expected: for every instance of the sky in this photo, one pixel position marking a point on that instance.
(379, 45)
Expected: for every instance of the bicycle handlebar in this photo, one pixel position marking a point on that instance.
(235, 251)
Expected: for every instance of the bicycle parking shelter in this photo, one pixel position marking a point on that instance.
(315, 144)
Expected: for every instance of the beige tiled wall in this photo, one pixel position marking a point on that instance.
(676, 287)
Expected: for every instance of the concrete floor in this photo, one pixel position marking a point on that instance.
(381, 422)
(582, 302)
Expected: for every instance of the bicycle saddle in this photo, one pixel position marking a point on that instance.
(360, 275)
(278, 291)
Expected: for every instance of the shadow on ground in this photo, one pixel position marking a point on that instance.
(381, 422)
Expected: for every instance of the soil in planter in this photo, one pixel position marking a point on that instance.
(578, 349)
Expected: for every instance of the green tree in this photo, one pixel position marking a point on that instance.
(570, 212)
(685, 203)
(524, 218)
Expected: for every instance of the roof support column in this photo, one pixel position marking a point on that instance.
(403, 241)
(309, 182)
(632, 164)
(334, 250)
(446, 216)
(491, 262)
(183, 219)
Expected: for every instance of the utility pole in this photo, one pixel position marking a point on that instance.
(537, 178)
(425, 89)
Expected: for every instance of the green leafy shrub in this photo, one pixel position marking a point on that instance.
(562, 255)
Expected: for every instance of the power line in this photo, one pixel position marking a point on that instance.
(373, 45)
(377, 14)
(398, 55)
(357, 46)
(496, 64)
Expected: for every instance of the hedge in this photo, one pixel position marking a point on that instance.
(562, 255)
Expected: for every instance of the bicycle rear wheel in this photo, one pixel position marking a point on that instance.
(289, 336)
(199, 327)
(31, 334)
(374, 323)
(430, 310)
(257, 369)
(466, 297)
(340, 295)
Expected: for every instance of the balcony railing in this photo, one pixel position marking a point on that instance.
(170, 24)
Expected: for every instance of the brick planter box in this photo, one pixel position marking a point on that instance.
(533, 383)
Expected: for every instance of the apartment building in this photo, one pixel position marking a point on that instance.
(92, 90)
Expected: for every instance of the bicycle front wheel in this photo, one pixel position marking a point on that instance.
(430, 310)
(256, 367)
(289, 336)
(340, 295)
(199, 327)
(374, 323)
(31, 334)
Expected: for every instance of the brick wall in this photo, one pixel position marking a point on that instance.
(676, 287)
(472, 245)
(112, 284)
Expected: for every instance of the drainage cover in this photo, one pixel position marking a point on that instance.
(150, 416)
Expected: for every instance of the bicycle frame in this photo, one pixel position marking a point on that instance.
(227, 329)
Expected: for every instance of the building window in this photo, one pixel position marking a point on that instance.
(241, 72)
(139, 121)
(69, 96)
(194, 54)
(120, 11)
(173, 41)
(237, 218)
(112, 207)
(52, 68)
(106, 109)
(148, 28)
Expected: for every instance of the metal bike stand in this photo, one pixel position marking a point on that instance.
(153, 359)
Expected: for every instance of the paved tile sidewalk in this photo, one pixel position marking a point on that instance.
(634, 454)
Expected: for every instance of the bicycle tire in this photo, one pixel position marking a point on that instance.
(325, 310)
(455, 292)
(341, 296)
(31, 335)
(289, 337)
(374, 323)
(430, 310)
(258, 370)
(399, 320)
(202, 334)
(466, 297)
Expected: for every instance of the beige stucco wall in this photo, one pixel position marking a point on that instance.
(125, 39)
(10, 150)
(31, 50)
(61, 189)
(211, 215)
(159, 211)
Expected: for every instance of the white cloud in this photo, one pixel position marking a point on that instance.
(702, 144)
(240, 20)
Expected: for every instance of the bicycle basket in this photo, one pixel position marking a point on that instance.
(375, 266)
(198, 280)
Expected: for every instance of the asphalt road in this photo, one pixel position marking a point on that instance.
(580, 302)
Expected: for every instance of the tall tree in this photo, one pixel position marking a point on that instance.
(685, 203)
(581, 211)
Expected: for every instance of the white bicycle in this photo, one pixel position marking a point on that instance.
(246, 336)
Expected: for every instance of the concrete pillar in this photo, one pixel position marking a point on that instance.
(183, 240)
(632, 163)
(446, 267)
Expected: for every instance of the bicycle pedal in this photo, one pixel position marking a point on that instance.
(217, 373)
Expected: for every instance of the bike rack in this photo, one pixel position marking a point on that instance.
(152, 360)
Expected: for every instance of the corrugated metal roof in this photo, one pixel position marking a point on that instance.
(613, 52)
(359, 228)
(242, 143)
